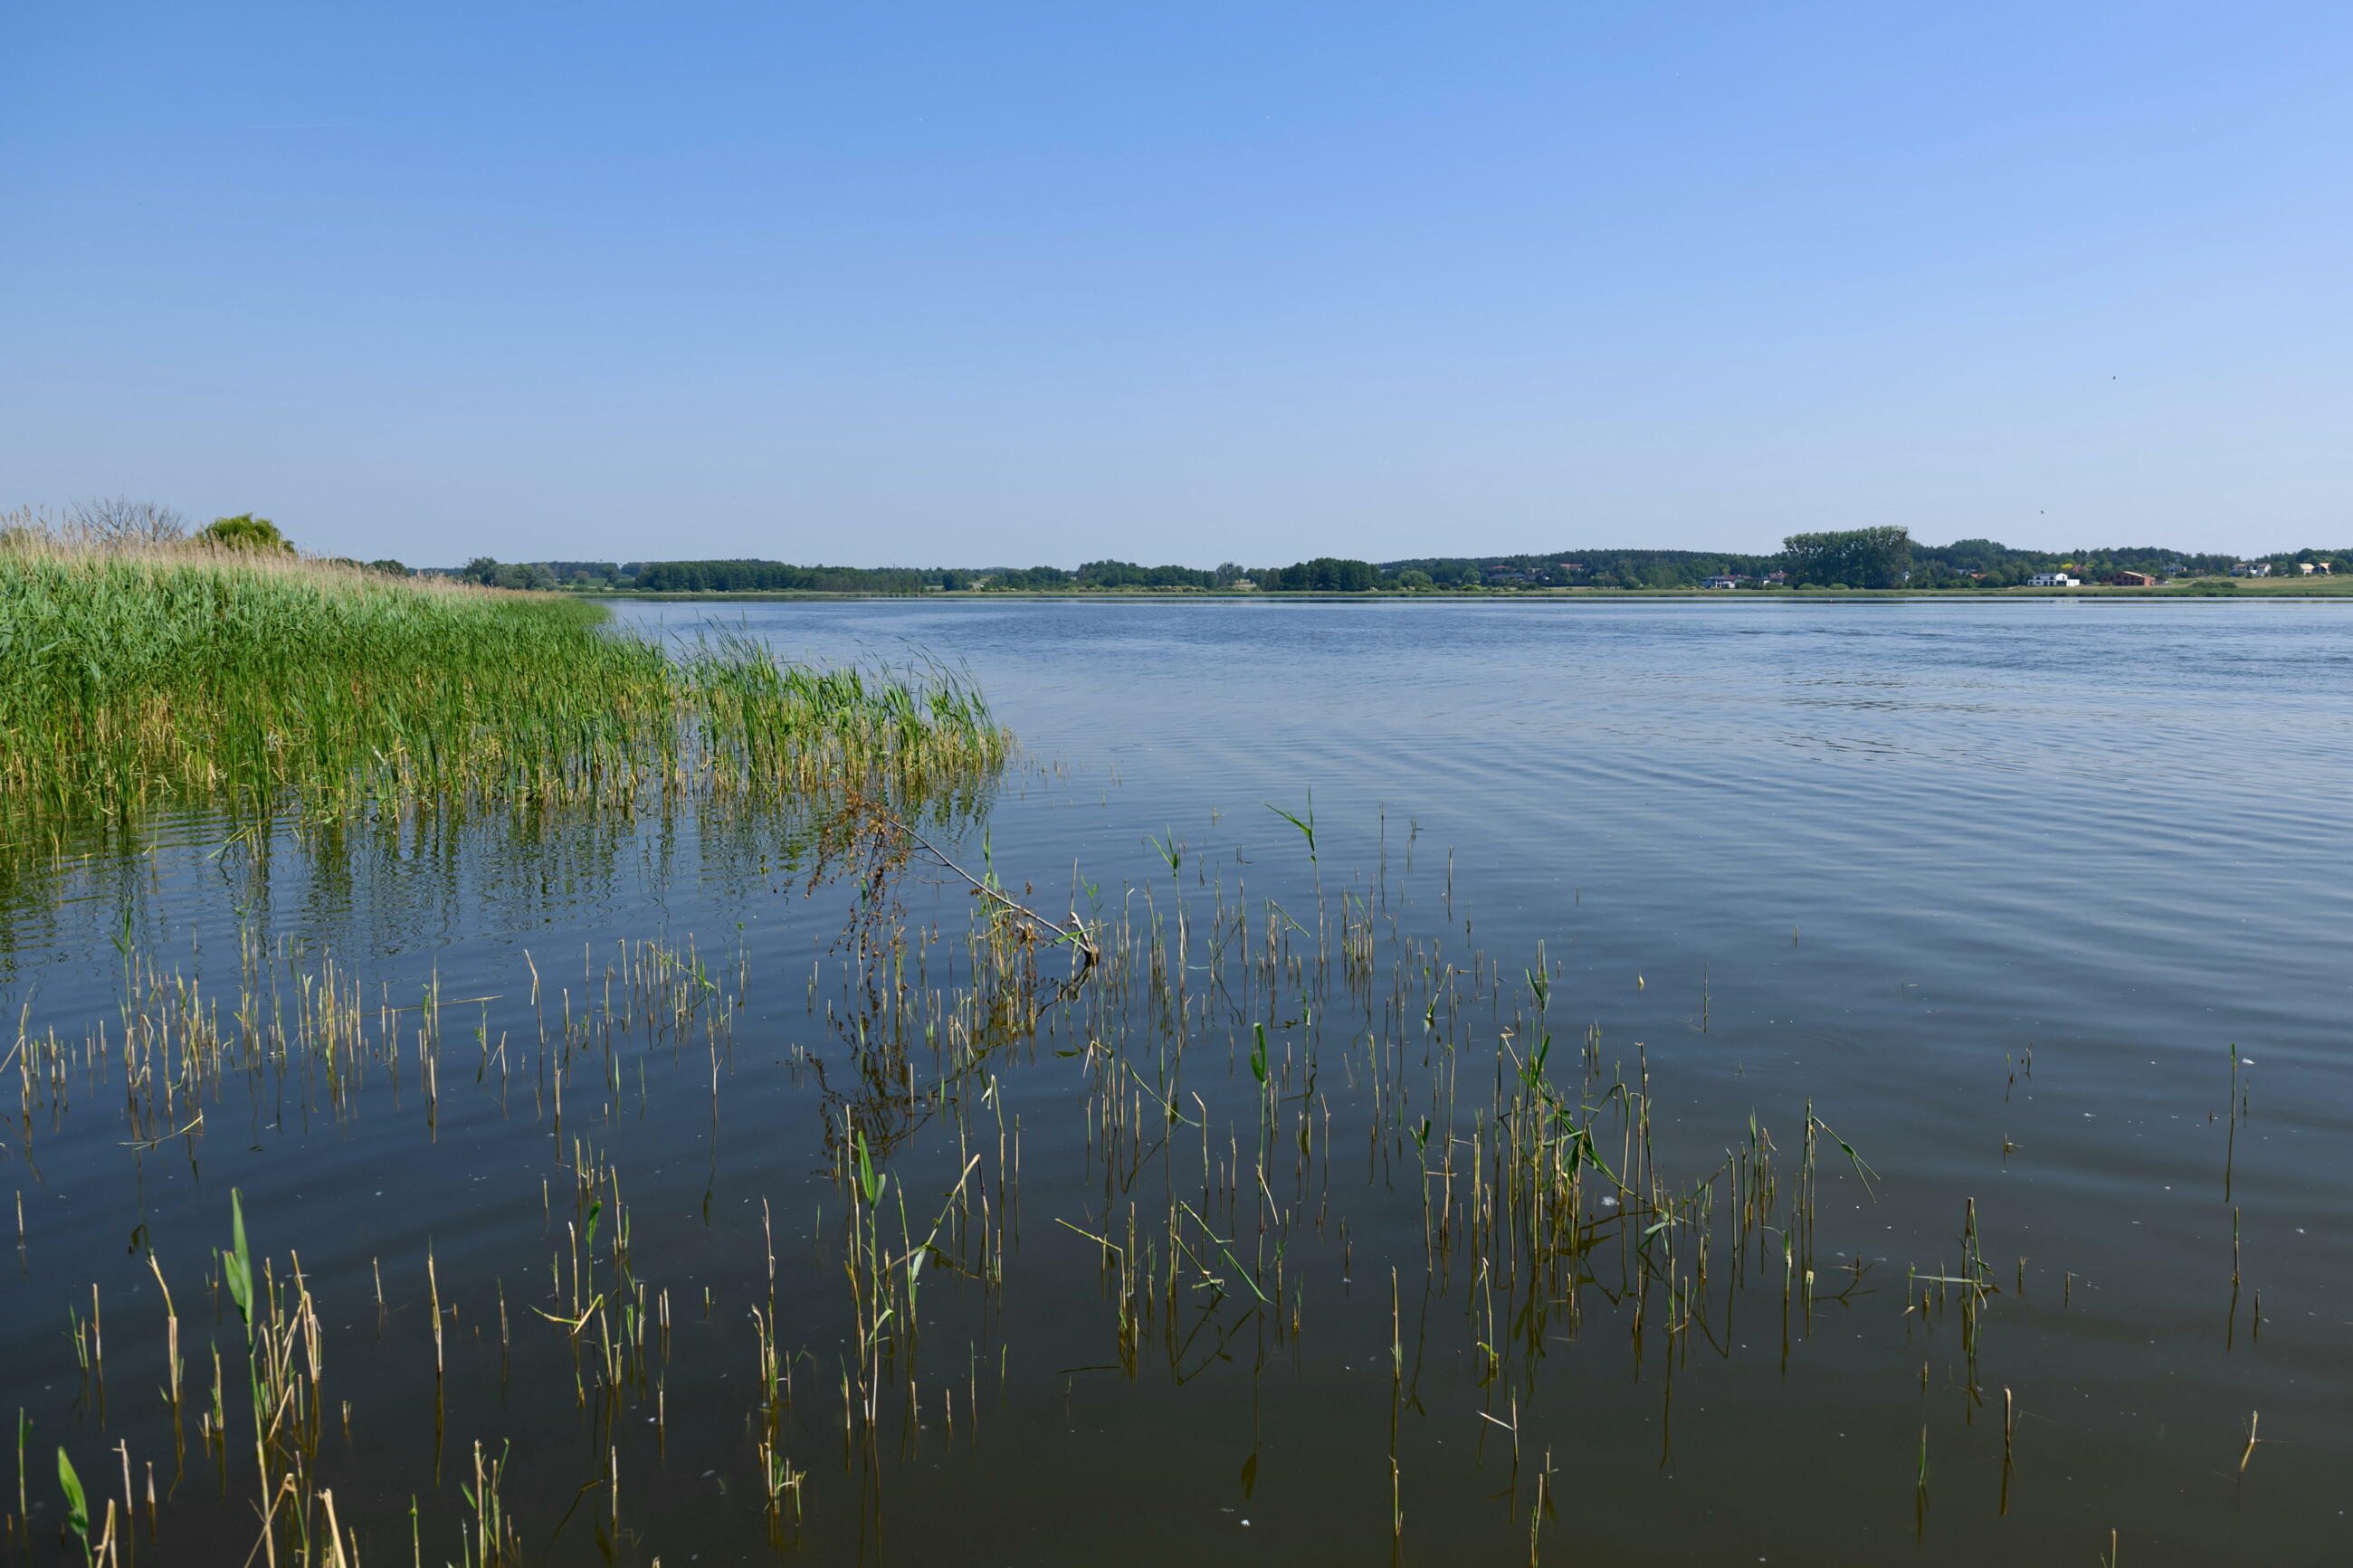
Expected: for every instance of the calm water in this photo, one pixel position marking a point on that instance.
(1998, 889)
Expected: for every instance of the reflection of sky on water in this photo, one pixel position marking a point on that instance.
(1868, 856)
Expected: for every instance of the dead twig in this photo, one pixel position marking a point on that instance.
(1075, 934)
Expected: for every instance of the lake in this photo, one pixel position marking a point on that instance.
(1798, 1082)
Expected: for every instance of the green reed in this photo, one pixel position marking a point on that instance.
(1548, 1213)
(134, 681)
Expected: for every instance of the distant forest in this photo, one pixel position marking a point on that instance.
(1868, 558)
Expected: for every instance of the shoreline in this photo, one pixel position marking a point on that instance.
(1543, 595)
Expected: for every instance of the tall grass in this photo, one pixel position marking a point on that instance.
(135, 679)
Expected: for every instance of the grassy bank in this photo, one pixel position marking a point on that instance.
(130, 680)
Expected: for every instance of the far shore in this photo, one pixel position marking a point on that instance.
(2090, 593)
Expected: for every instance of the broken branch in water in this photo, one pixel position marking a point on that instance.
(1075, 933)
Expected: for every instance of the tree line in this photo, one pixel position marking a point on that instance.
(1322, 574)
(1863, 558)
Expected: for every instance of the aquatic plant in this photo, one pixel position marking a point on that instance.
(134, 680)
(1518, 1175)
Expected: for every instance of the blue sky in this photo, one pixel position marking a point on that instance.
(985, 284)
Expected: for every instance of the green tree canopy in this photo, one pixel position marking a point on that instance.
(1128, 575)
(753, 577)
(529, 575)
(247, 531)
(1852, 558)
(1324, 574)
(1029, 577)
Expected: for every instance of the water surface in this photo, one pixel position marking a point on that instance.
(1996, 889)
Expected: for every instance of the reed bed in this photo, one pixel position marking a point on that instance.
(1265, 1112)
(134, 681)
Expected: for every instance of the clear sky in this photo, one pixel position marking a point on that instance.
(1011, 283)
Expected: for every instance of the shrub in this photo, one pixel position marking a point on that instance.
(247, 531)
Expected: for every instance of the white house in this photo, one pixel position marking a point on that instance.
(1731, 582)
(2053, 580)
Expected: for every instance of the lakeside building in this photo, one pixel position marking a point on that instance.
(2251, 569)
(2134, 580)
(1730, 581)
(2053, 580)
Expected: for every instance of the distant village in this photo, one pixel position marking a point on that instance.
(2061, 576)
